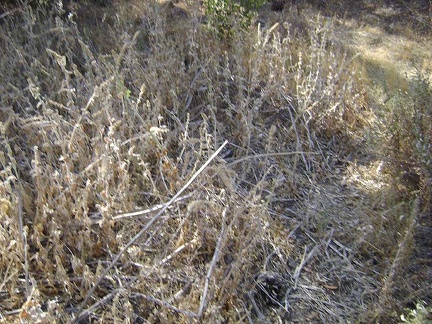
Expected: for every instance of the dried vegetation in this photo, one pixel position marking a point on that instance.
(313, 212)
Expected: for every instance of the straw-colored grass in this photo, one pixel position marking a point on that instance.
(156, 169)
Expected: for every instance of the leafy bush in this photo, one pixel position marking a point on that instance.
(252, 4)
(226, 15)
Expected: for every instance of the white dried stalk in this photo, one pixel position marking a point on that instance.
(212, 265)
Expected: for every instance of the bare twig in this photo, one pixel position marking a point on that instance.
(24, 244)
(291, 234)
(96, 305)
(7, 277)
(386, 293)
(212, 265)
(147, 211)
(255, 306)
(303, 262)
(293, 122)
(176, 251)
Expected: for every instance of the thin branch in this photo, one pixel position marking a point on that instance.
(147, 211)
(212, 265)
(176, 251)
(305, 259)
(24, 243)
(96, 305)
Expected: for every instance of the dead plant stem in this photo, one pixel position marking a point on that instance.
(212, 265)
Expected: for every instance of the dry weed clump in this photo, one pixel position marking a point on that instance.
(96, 142)
(408, 115)
(81, 146)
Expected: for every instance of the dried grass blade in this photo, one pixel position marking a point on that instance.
(24, 244)
(304, 261)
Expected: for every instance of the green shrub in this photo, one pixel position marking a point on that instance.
(252, 4)
(227, 15)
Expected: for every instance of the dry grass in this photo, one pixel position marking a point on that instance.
(305, 216)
